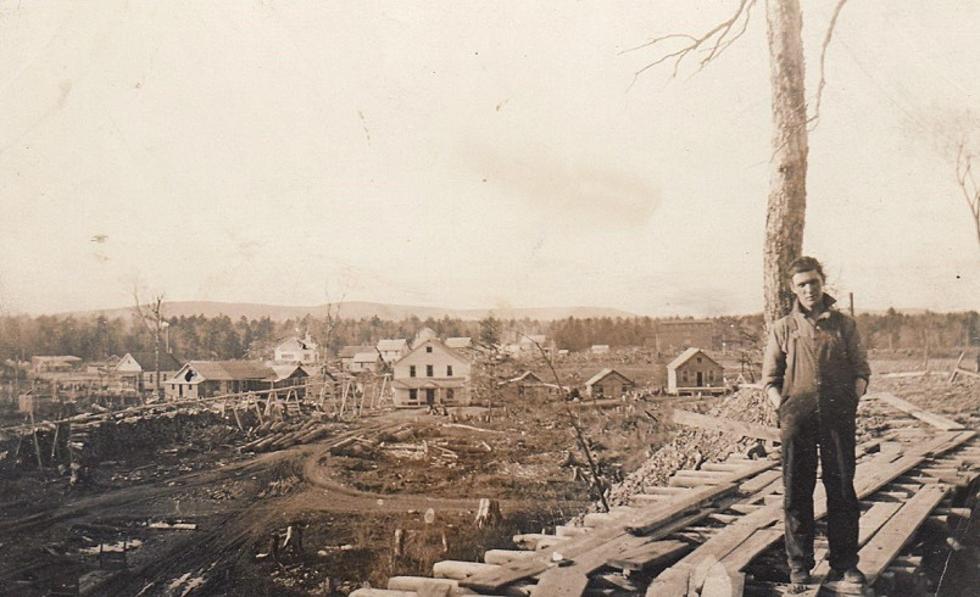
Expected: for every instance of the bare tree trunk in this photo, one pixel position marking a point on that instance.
(787, 184)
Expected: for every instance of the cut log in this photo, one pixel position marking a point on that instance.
(504, 556)
(648, 556)
(459, 570)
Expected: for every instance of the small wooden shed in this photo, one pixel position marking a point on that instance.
(608, 383)
(694, 371)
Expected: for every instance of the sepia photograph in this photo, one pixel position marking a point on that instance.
(402, 298)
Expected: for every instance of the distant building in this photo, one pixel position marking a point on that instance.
(288, 375)
(694, 371)
(599, 349)
(528, 345)
(297, 350)
(674, 335)
(137, 370)
(55, 363)
(205, 379)
(368, 360)
(392, 349)
(432, 373)
(530, 385)
(346, 354)
(608, 383)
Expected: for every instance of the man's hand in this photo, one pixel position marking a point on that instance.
(774, 397)
(860, 386)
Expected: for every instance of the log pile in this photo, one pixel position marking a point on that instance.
(279, 435)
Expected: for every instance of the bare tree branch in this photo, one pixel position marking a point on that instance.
(583, 442)
(968, 184)
(823, 62)
(713, 42)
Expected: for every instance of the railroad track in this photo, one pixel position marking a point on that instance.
(717, 531)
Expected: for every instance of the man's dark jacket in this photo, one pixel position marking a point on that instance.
(814, 363)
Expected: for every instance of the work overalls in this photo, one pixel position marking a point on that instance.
(818, 409)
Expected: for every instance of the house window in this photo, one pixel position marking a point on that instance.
(699, 359)
(428, 349)
(684, 375)
(450, 394)
(411, 371)
(413, 395)
(429, 371)
(449, 370)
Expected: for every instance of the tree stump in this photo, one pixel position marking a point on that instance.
(488, 514)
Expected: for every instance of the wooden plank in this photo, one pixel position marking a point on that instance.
(723, 582)
(757, 542)
(683, 417)
(673, 582)
(923, 415)
(760, 481)
(888, 542)
(694, 481)
(667, 491)
(877, 515)
(650, 555)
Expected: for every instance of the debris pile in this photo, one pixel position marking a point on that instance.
(689, 448)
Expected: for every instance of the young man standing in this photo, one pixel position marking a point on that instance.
(815, 369)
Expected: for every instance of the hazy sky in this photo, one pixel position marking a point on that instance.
(467, 154)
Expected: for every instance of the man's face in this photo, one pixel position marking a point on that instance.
(808, 288)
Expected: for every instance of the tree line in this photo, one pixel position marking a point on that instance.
(200, 337)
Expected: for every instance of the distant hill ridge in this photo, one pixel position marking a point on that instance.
(356, 310)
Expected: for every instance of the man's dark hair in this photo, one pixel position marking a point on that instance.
(806, 264)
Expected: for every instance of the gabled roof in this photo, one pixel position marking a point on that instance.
(230, 370)
(686, 356)
(392, 344)
(348, 352)
(296, 343)
(368, 356)
(459, 342)
(147, 361)
(526, 377)
(435, 341)
(604, 374)
(286, 371)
